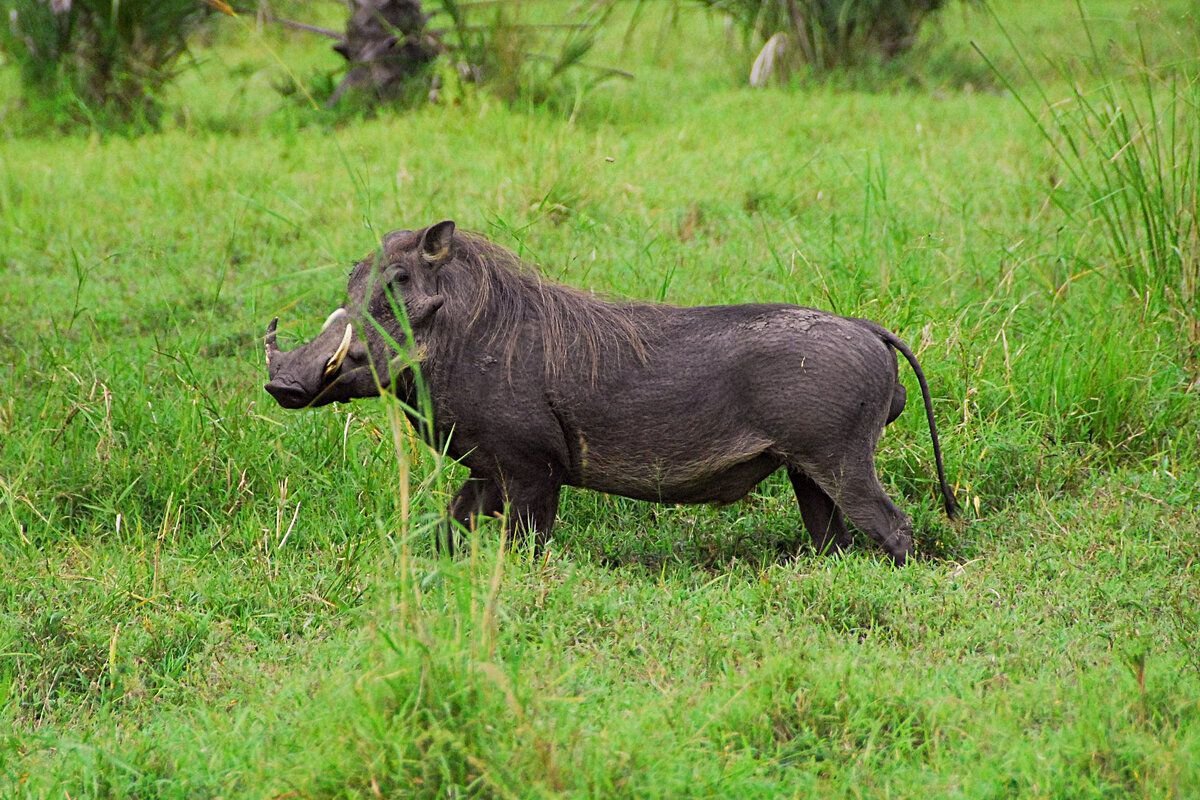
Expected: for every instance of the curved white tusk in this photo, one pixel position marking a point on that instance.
(330, 319)
(339, 355)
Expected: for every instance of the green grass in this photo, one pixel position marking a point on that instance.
(204, 595)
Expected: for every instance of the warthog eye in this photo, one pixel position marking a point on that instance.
(401, 277)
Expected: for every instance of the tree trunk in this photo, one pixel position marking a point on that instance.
(386, 43)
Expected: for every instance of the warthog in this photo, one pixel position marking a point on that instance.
(535, 385)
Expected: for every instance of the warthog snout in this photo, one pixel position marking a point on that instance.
(288, 395)
(333, 367)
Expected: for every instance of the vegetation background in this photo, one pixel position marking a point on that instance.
(204, 595)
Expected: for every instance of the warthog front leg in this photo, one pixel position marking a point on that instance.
(532, 507)
(477, 497)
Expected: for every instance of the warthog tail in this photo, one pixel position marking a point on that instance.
(894, 341)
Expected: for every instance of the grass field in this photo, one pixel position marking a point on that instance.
(203, 595)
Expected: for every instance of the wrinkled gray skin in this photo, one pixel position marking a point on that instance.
(535, 386)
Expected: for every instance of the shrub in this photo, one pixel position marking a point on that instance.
(1131, 154)
(98, 57)
(406, 51)
(520, 54)
(824, 34)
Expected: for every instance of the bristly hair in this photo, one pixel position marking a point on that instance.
(496, 294)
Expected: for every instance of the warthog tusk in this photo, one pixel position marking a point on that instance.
(337, 312)
(339, 355)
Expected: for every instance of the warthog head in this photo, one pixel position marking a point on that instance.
(366, 344)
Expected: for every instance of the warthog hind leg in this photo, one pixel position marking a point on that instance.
(821, 517)
(856, 490)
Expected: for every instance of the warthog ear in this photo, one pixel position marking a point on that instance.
(435, 242)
